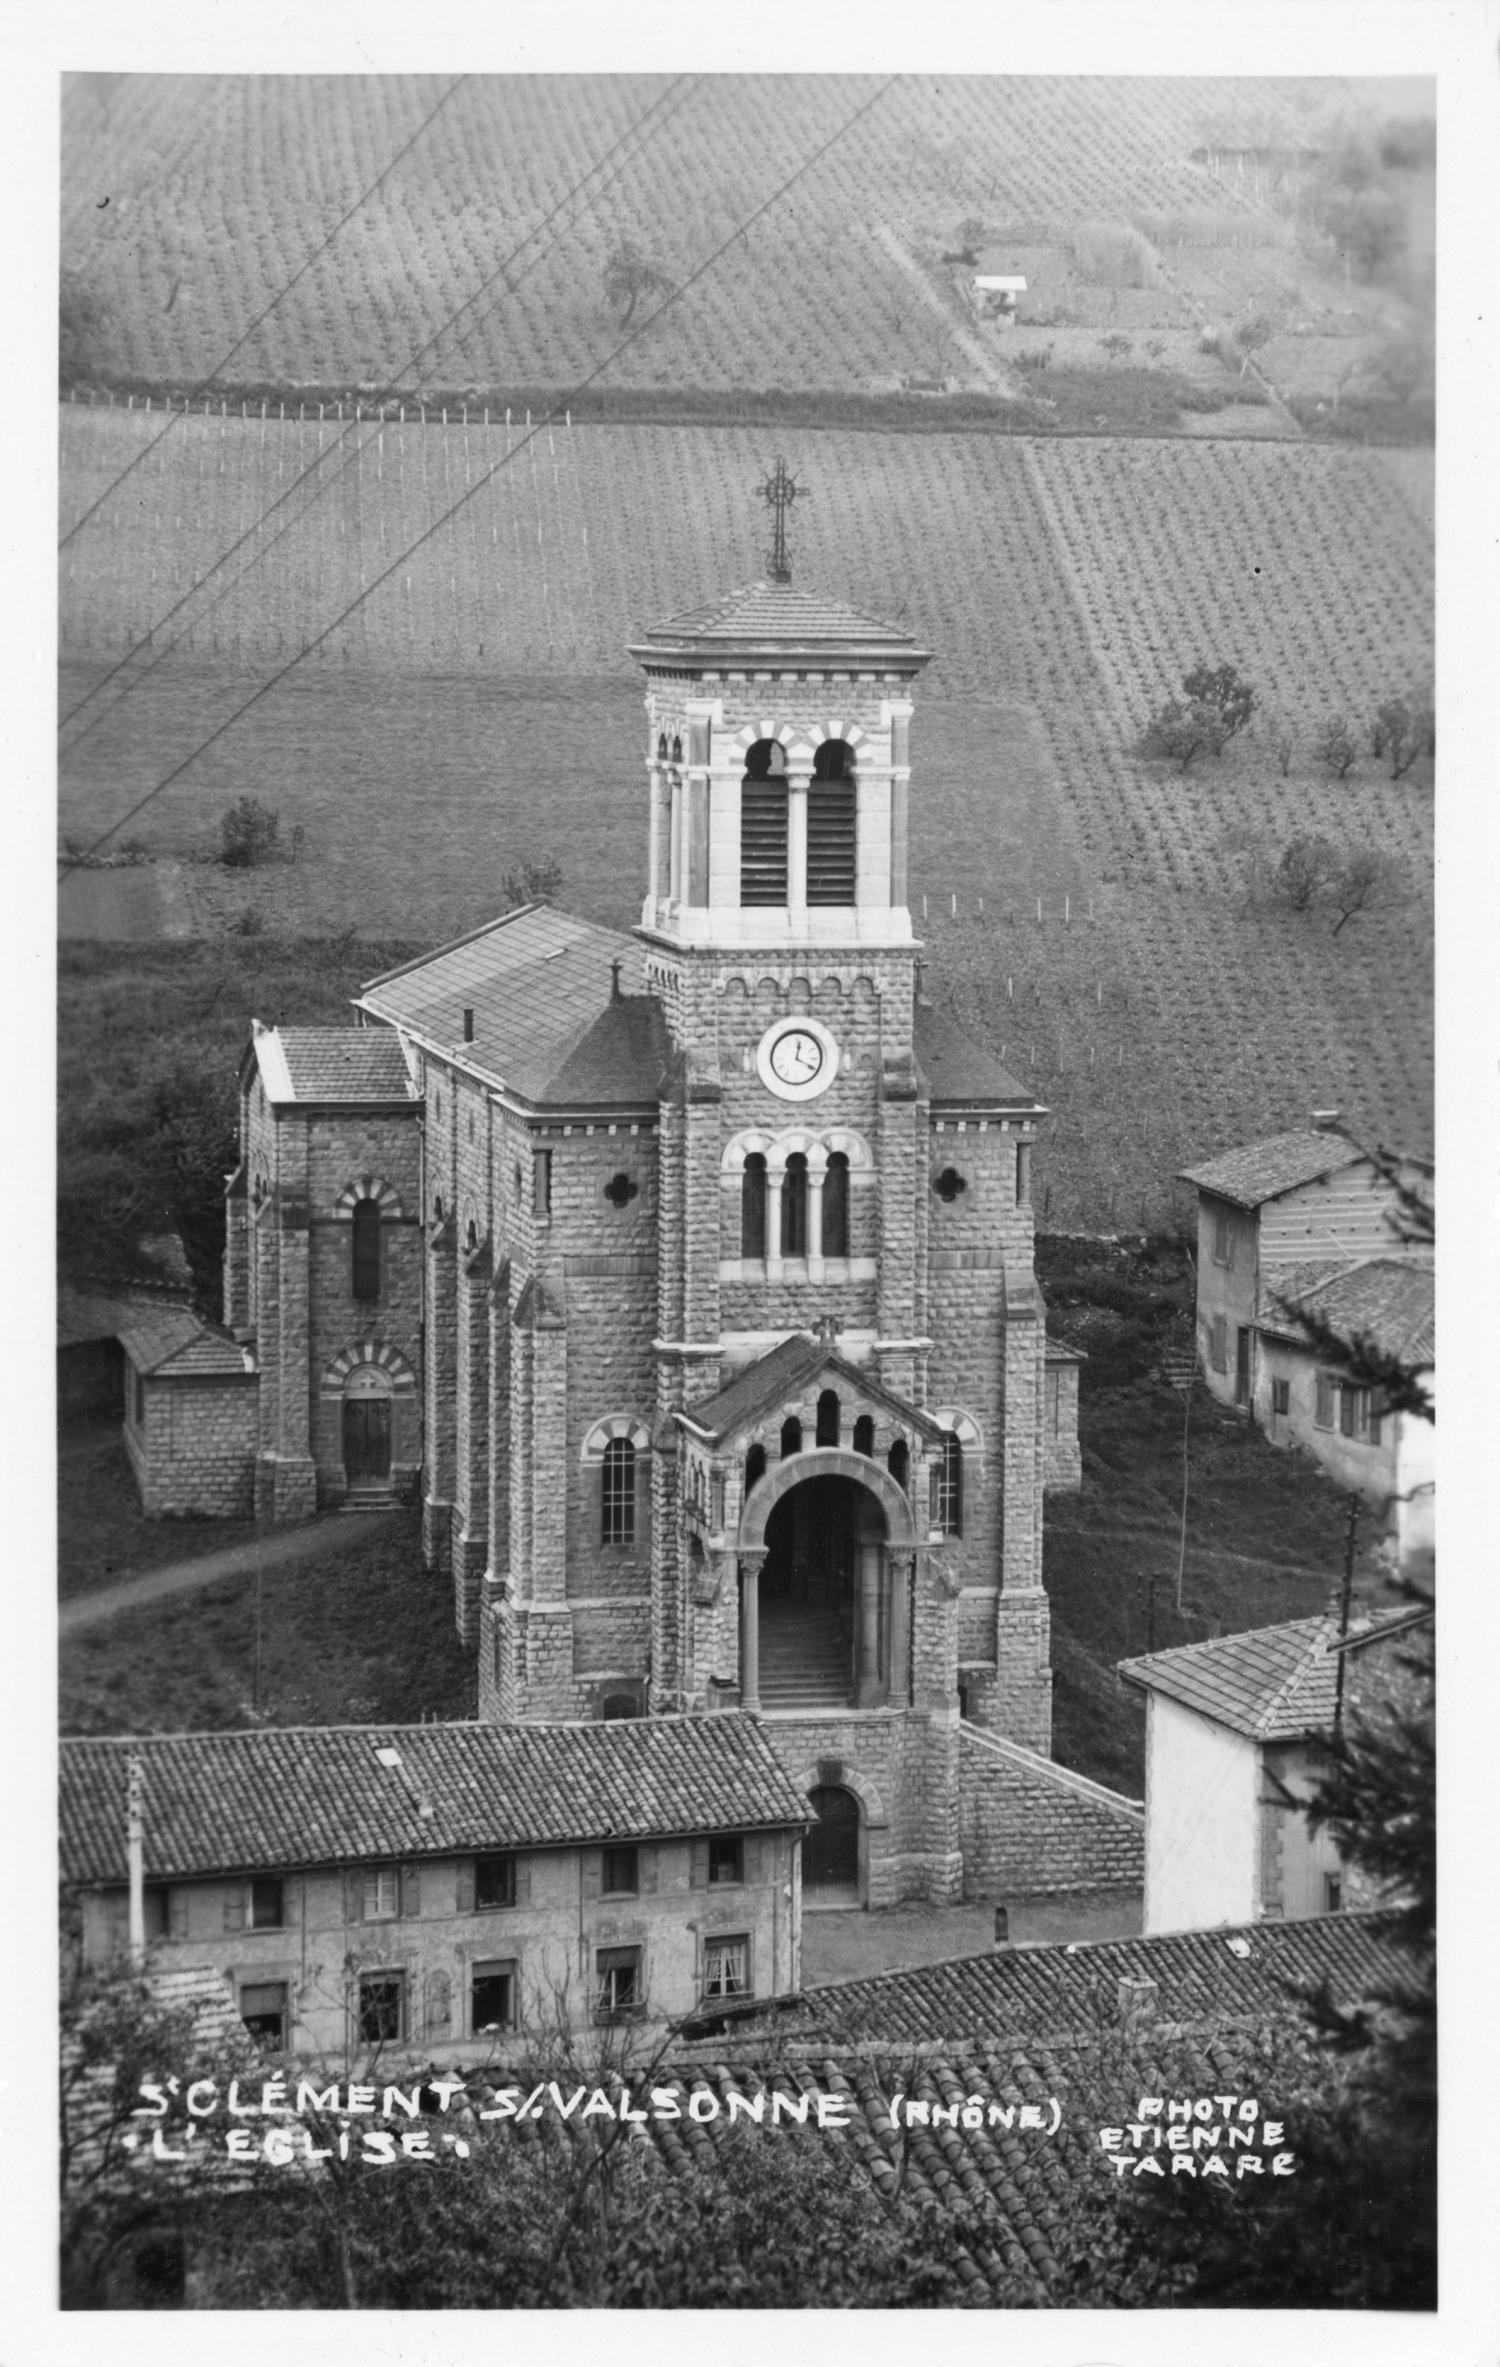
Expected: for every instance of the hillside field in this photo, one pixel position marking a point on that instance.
(478, 710)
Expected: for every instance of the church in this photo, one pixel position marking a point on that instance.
(686, 1277)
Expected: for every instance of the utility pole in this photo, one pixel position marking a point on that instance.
(135, 1858)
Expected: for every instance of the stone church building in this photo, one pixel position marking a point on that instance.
(687, 1277)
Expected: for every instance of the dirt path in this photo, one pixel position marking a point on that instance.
(330, 1533)
(994, 374)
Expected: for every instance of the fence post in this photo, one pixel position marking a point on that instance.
(1067, 908)
(953, 907)
(1039, 912)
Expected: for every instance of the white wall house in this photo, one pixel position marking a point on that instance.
(1235, 1735)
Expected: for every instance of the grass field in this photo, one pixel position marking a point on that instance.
(479, 711)
(222, 189)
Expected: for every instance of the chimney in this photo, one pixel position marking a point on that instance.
(1137, 1998)
(468, 1027)
(1326, 1121)
(614, 981)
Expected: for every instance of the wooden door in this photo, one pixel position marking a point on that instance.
(830, 1854)
(367, 1439)
(1242, 1365)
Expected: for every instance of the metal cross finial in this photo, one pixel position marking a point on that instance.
(779, 491)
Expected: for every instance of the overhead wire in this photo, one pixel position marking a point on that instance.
(557, 409)
(265, 313)
(505, 269)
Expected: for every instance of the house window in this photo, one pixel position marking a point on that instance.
(763, 825)
(1222, 1241)
(492, 1998)
(267, 1904)
(366, 1249)
(949, 1184)
(1281, 1397)
(791, 1436)
(382, 1894)
(827, 1432)
(382, 2000)
(156, 1912)
(864, 1435)
(898, 1461)
(618, 1483)
(794, 1207)
(621, 1877)
(1323, 1406)
(948, 1487)
(619, 1705)
(620, 1987)
(726, 1966)
(753, 1207)
(1357, 1415)
(1218, 1348)
(494, 1881)
(541, 1183)
(832, 808)
(263, 2010)
(755, 1466)
(836, 1206)
(726, 1858)
(1333, 1894)
(1023, 1174)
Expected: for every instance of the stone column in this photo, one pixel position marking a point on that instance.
(674, 839)
(751, 1565)
(774, 1177)
(796, 852)
(653, 859)
(900, 1562)
(817, 1169)
(868, 1688)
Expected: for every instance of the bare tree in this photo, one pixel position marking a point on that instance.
(1365, 878)
(1335, 745)
(1308, 867)
(1251, 336)
(1281, 738)
(628, 276)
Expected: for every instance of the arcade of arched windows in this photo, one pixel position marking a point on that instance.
(788, 1197)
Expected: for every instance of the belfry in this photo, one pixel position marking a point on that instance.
(697, 1267)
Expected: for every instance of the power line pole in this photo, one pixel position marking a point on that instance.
(1351, 1534)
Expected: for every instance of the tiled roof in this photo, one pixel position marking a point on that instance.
(546, 1023)
(344, 1064)
(766, 614)
(84, 1315)
(1260, 1171)
(959, 1070)
(1272, 1682)
(1388, 1301)
(1035, 1994)
(284, 1797)
(175, 1340)
(783, 1372)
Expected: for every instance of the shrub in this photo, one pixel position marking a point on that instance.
(250, 831)
(1335, 746)
(533, 883)
(1115, 255)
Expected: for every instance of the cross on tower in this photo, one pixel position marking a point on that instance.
(779, 491)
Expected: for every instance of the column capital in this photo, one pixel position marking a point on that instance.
(753, 1561)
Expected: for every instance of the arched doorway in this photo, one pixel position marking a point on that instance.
(830, 1853)
(367, 1429)
(809, 1593)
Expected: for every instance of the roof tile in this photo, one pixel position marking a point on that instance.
(343, 1064)
(278, 1798)
(1258, 1171)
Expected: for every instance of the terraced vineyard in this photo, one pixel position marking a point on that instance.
(478, 703)
(223, 189)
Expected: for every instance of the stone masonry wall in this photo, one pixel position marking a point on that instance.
(195, 1451)
(902, 1767)
(1028, 1826)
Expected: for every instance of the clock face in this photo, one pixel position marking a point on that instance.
(797, 1059)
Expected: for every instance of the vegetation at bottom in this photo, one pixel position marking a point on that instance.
(103, 1536)
(362, 1637)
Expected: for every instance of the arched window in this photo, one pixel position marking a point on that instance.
(828, 1418)
(794, 1207)
(763, 825)
(791, 1436)
(617, 1525)
(755, 1466)
(836, 1206)
(948, 1488)
(864, 1435)
(366, 1249)
(753, 1207)
(831, 826)
(621, 1705)
(897, 1462)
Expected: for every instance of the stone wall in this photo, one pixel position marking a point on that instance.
(194, 1451)
(902, 1767)
(1029, 1827)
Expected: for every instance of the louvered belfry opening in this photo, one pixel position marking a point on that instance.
(831, 828)
(763, 825)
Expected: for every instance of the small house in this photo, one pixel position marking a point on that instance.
(1236, 1732)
